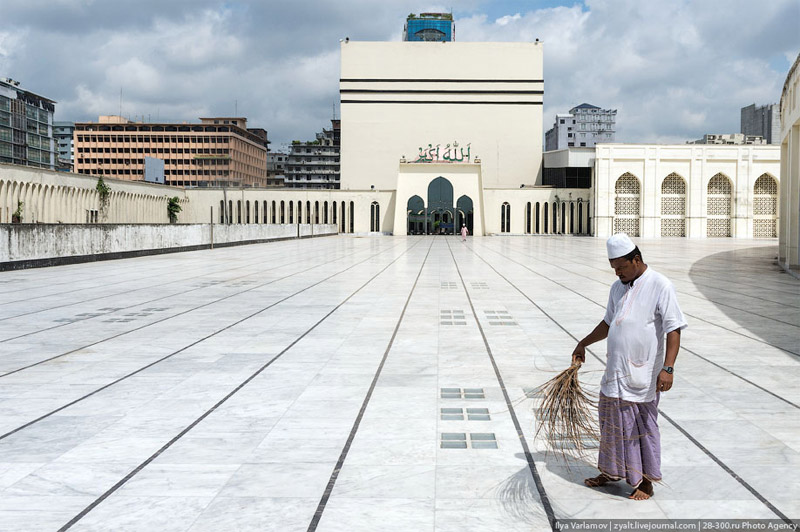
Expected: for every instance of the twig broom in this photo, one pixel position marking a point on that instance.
(567, 415)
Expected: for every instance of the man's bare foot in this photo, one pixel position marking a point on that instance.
(643, 492)
(599, 480)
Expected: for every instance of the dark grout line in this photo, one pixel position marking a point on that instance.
(682, 347)
(241, 385)
(688, 294)
(149, 287)
(595, 280)
(719, 462)
(131, 374)
(357, 423)
(544, 498)
(169, 317)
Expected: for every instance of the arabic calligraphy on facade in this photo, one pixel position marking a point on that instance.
(450, 153)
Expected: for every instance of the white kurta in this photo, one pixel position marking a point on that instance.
(638, 318)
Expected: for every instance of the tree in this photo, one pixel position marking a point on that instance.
(173, 208)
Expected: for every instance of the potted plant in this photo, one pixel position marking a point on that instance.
(16, 216)
(173, 208)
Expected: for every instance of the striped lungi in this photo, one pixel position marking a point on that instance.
(630, 443)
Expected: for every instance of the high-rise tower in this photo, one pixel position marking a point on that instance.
(434, 27)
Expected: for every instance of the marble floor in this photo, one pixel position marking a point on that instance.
(377, 384)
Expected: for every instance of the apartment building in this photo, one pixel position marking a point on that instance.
(583, 127)
(315, 164)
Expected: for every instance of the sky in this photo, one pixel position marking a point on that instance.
(674, 69)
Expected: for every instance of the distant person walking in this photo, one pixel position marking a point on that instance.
(464, 233)
(643, 325)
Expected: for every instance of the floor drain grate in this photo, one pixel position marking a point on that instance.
(477, 440)
(457, 414)
(452, 317)
(462, 393)
(499, 317)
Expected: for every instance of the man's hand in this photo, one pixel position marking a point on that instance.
(579, 354)
(664, 381)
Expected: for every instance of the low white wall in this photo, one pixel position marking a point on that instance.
(35, 242)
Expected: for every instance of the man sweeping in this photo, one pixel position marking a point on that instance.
(642, 316)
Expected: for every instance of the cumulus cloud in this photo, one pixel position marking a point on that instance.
(674, 70)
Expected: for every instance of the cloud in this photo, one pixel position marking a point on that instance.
(674, 70)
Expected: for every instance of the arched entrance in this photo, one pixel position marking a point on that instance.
(415, 216)
(464, 212)
(441, 219)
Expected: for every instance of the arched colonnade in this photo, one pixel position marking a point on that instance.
(48, 203)
(717, 207)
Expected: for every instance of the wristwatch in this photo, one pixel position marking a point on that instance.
(668, 369)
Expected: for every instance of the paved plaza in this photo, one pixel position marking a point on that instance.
(302, 385)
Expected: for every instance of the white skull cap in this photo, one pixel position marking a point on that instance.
(619, 245)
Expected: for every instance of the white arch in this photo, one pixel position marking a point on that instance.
(673, 205)
(719, 206)
(627, 209)
(765, 207)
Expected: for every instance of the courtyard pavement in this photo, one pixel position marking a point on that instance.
(301, 385)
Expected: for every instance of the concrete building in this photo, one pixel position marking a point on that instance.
(63, 133)
(764, 121)
(26, 127)
(276, 163)
(315, 164)
(429, 27)
(218, 151)
(583, 127)
(735, 139)
(276, 168)
(789, 233)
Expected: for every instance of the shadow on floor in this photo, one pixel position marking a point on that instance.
(520, 498)
(715, 274)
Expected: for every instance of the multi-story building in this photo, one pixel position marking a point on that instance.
(315, 164)
(764, 121)
(219, 151)
(26, 127)
(65, 151)
(433, 27)
(583, 127)
(276, 168)
(730, 138)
